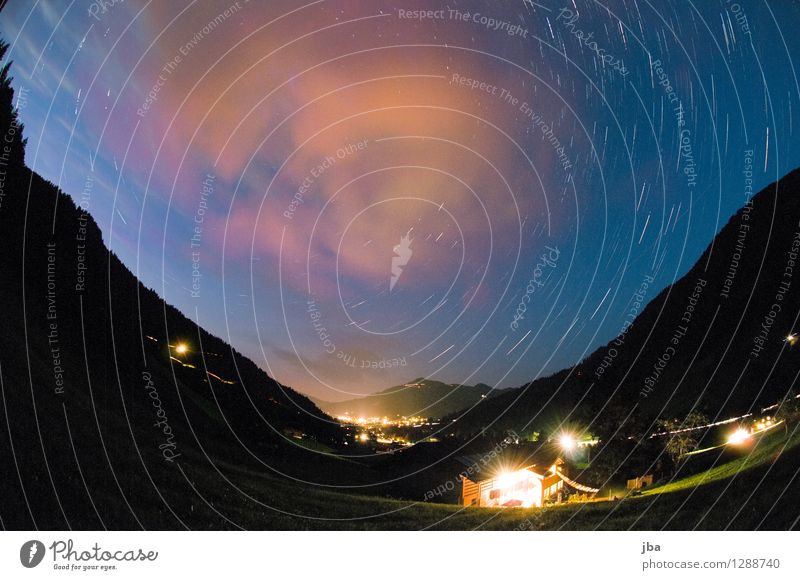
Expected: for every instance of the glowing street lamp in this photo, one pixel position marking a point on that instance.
(738, 437)
(181, 348)
(567, 442)
(791, 339)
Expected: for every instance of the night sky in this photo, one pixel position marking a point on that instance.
(528, 165)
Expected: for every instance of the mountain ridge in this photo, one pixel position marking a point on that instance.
(711, 340)
(419, 397)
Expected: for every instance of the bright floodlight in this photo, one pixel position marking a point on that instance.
(181, 348)
(567, 442)
(738, 437)
(505, 479)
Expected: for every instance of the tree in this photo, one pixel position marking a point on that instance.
(682, 435)
(616, 420)
(11, 128)
(608, 464)
(788, 410)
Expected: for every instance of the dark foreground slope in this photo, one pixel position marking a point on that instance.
(714, 340)
(760, 496)
(98, 425)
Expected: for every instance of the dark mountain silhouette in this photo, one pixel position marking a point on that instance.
(102, 421)
(420, 397)
(714, 340)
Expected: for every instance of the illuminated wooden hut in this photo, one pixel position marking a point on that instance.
(529, 486)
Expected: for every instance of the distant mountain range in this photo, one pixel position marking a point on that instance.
(420, 397)
(714, 340)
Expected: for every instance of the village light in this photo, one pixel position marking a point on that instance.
(791, 339)
(181, 348)
(738, 437)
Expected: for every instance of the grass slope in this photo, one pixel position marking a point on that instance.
(739, 494)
